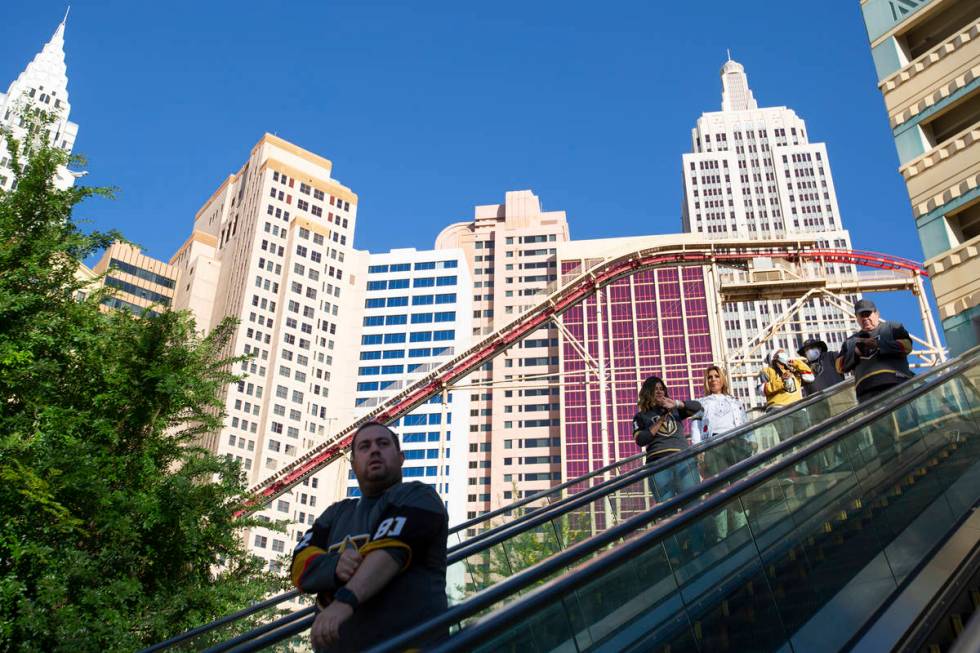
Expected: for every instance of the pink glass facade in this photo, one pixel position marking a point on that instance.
(653, 323)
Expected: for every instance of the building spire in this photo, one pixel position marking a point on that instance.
(735, 92)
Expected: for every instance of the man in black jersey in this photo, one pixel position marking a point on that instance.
(377, 563)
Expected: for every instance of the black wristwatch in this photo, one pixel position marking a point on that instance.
(344, 595)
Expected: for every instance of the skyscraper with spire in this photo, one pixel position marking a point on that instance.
(43, 84)
(752, 172)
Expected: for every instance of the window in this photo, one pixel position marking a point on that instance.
(374, 339)
(424, 282)
(422, 300)
(421, 318)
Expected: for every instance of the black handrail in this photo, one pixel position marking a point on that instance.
(264, 628)
(546, 567)
(494, 534)
(511, 613)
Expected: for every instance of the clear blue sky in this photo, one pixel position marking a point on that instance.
(429, 108)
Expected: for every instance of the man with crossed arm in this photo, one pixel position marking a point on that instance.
(377, 563)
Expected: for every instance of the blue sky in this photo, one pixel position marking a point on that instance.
(427, 109)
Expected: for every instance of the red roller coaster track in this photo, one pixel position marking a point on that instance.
(729, 254)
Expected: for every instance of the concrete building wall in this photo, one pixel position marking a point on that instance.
(515, 427)
(927, 56)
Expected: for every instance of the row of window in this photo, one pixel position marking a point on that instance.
(417, 300)
(418, 282)
(405, 267)
(392, 354)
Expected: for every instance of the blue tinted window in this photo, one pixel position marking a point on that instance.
(446, 316)
(413, 437)
(392, 369)
(368, 371)
(420, 336)
(431, 471)
(374, 320)
(377, 285)
(433, 436)
(387, 384)
(409, 472)
(370, 355)
(449, 298)
(373, 339)
(376, 269)
(431, 453)
(435, 418)
(416, 353)
(417, 454)
(396, 319)
(421, 318)
(398, 283)
(445, 335)
(422, 300)
(394, 353)
(424, 282)
(394, 337)
(398, 301)
(413, 420)
(413, 367)
(374, 302)
(428, 265)
(367, 386)
(400, 267)
(446, 281)
(448, 264)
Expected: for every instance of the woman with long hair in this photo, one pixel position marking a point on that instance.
(721, 411)
(658, 426)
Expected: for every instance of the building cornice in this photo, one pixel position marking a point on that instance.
(944, 151)
(936, 96)
(927, 59)
(947, 195)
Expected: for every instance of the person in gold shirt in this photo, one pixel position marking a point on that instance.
(782, 380)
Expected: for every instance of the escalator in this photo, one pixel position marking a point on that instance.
(621, 524)
(839, 534)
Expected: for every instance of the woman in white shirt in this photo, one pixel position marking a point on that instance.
(721, 412)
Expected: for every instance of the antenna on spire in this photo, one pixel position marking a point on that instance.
(729, 51)
(65, 19)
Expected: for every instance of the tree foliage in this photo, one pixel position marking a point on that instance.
(116, 531)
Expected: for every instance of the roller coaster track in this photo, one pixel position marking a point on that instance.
(726, 253)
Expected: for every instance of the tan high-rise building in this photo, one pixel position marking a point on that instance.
(141, 283)
(272, 249)
(515, 427)
(927, 56)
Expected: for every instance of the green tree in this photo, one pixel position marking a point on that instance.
(116, 530)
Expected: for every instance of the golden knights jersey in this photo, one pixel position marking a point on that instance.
(409, 522)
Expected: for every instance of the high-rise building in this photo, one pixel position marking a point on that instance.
(42, 84)
(272, 249)
(515, 425)
(141, 282)
(927, 57)
(661, 322)
(753, 172)
(417, 314)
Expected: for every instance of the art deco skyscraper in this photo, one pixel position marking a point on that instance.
(43, 84)
(272, 249)
(753, 172)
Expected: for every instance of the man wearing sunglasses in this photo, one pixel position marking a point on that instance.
(877, 354)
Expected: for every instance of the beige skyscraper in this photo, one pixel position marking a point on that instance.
(272, 249)
(515, 434)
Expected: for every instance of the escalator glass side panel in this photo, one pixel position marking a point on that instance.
(756, 573)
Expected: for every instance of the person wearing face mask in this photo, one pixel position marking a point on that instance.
(877, 354)
(782, 380)
(822, 362)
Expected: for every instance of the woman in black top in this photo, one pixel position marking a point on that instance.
(658, 427)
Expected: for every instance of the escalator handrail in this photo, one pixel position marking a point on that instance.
(538, 514)
(567, 556)
(544, 513)
(513, 612)
(739, 430)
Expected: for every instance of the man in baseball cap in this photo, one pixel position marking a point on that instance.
(877, 354)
